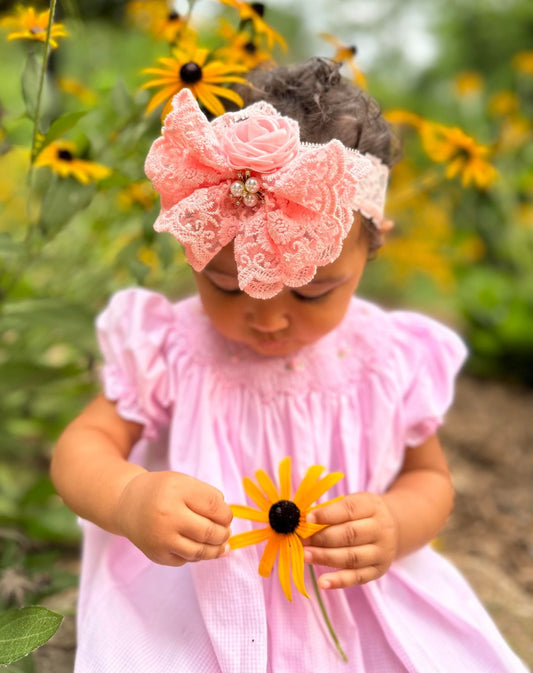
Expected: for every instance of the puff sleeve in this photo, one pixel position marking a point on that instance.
(429, 356)
(134, 333)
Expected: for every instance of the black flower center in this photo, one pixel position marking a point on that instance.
(250, 48)
(190, 73)
(64, 155)
(258, 7)
(284, 516)
(173, 16)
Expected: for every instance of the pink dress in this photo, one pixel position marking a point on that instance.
(214, 409)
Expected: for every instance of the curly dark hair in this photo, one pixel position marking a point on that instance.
(326, 105)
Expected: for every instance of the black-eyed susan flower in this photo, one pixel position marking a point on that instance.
(463, 154)
(157, 18)
(241, 47)
(285, 518)
(27, 24)
(345, 53)
(60, 157)
(253, 13)
(190, 67)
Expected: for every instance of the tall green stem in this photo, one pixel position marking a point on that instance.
(325, 615)
(42, 78)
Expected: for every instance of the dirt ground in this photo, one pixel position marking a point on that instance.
(488, 437)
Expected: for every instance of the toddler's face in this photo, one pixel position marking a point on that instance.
(293, 318)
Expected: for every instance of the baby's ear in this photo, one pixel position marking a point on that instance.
(386, 226)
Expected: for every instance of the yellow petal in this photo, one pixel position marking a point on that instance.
(323, 504)
(297, 561)
(306, 528)
(207, 99)
(269, 554)
(255, 494)
(285, 479)
(268, 486)
(319, 489)
(249, 538)
(284, 567)
(243, 512)
(311, 477)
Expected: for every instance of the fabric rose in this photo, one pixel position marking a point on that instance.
(262, 143)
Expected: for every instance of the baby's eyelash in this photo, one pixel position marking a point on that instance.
(224, 290)
(303, 297)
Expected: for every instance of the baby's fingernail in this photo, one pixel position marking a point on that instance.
(311, 518)
(325, 584)
(226, 551)
(308, 556)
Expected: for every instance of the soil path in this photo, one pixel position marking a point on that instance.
(488, 437)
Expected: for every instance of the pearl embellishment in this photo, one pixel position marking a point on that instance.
(245, 190)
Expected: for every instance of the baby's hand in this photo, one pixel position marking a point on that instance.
(174, 518)
(361, 539)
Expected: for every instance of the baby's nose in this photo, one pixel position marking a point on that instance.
(268, 315)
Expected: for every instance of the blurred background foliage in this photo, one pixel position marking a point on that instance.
(462, 247)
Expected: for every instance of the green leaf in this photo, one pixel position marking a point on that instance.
(30, 83)
(49, 313)
(18, 374)
(61, 125)
(64, 198)
(24, 630)
(8, 247)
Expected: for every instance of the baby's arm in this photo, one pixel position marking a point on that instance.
(171, 517)
(368, 531)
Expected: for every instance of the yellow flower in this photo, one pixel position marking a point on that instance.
(189, 67)
(468, 83)
(346, 54)
(404, 117)
(60, 157)
(523, 62)
(464, 155)
(253, 12)
(503, 103)
(240, 47)
(155, 17)
(75, 88)
(137, 193)
(286, 519)
(28, 25)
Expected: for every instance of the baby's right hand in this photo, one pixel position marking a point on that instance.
(174, 518)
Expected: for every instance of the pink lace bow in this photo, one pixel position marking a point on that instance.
(246, 177)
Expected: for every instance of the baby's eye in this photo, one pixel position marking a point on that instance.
(303, 297)
(224, 290)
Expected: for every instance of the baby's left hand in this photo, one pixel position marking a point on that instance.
(361, 540)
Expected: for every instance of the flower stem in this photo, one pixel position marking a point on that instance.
(41, 81)
(325, 615)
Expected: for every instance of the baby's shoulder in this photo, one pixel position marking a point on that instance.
(139, 316)
(395, 339)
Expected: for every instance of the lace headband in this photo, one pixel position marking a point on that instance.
(246, 177)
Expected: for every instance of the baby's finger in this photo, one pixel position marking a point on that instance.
(347, 578)
(199, 529)
(350, 508)
(191, 551)
(350, 534)
(209, 502)
(347, 557)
